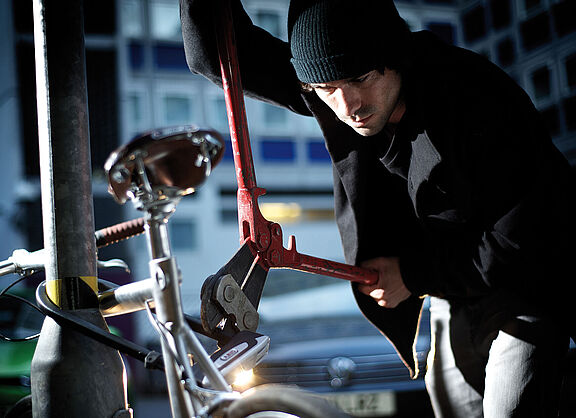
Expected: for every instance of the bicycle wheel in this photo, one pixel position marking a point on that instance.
(21, 409)
(278, 401)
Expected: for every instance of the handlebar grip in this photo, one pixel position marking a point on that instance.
(119, 232)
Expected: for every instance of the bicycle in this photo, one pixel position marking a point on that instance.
(154, 172)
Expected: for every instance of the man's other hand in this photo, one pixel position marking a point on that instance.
(389, 291)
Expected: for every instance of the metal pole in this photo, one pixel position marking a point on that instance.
(71, 374)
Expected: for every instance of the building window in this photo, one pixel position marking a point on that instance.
(317, 152)
(99, 17)
(474, 24)
(217, 113)
(229, 216)
(183, 234)
(177, 109)
(274, 116)
(102, 104)
(506, 52)
(563, 14)
(217, 118)
(541, 83)
(501, 13)
(535, 31)
(445, 31)
(165, 20)
(569, 105)
(308, 125)
(28, 112)
(280, 212)
(170, 57)
(136, 56)
(278, 150)
(132, 18)
(228, 151)
(135, 112)
(135, 109)
(570, 67)
(137, 116)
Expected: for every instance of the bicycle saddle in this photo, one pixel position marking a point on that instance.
(166, 162)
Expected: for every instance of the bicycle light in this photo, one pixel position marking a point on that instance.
(237, 358)
(243, 379)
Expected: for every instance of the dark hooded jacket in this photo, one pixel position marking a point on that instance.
(468, 190)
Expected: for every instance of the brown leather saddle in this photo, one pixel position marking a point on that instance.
(169, 161)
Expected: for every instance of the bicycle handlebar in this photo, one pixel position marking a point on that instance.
(24, 261)
(119, 232)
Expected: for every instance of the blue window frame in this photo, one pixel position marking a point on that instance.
(136, 54)
(278, 150)
(184, 234)
(228, 152)
(170, 57)
(317, 152)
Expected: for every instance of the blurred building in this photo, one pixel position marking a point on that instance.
(138, 80)
(535, 42)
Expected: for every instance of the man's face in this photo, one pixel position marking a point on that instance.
(365, 103)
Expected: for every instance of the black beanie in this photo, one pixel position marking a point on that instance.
(337, 39)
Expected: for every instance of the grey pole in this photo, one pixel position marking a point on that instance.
(72, 375)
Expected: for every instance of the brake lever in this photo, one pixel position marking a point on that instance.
(23, 262)
(113, 263)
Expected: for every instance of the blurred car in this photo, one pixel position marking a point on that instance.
(17, 320)
(321, 343)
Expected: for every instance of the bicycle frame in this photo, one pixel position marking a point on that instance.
(146, 172)
(177, 340)
(194, 391)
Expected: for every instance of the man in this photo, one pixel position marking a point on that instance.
(445, 181)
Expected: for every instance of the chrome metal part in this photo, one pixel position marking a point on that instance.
(128, 298)
(229, 295)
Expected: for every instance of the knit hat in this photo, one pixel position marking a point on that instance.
(337, 39)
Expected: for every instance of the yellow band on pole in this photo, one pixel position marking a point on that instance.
(55, 288)
(91, 281)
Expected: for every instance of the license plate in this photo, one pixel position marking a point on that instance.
(365, 404)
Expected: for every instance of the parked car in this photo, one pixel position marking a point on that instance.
(321, 343)
(17, 320)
